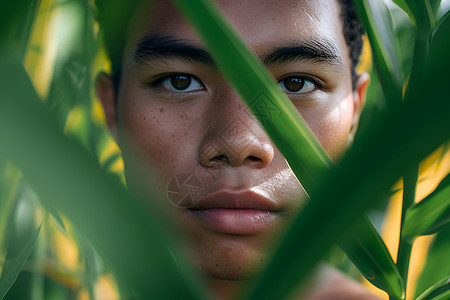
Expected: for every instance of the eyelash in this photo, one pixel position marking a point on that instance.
(159, 82)
(305, 80)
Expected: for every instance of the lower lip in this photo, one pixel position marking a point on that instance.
(236, 221)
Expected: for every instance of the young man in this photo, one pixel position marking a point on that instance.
(171, 109)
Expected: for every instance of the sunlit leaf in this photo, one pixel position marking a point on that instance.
(429, 214)
(437, 263)
(377, 21)
(439, 291)
(366, 249)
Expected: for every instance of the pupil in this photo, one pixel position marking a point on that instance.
(294, 84)
(181, 82)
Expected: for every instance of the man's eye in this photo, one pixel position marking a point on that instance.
(181, 83)
(299, 85)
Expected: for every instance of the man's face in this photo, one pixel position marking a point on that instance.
(232, 190)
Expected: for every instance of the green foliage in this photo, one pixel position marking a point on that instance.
(367, 251)
(430, 215)
(141, 250)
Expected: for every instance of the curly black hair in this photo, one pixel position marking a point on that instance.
(114, 17)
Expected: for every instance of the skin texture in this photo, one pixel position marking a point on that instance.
(178, 132)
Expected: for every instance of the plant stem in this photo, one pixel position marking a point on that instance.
(405, 246)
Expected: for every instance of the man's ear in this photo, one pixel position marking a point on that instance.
(359, 97)
(106, 94)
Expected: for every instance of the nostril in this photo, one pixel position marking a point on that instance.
(221, 157)
(254, 159)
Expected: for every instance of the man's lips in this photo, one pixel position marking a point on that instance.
(242, 213)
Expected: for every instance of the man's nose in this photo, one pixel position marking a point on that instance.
(235, 138)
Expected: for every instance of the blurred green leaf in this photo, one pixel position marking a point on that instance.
(91, 263)
(366, 249)
(376, 18)
(260, 92)
(431, 213)
(437, 263)
(405, 7)
(137, 246)
(439, 291)
(424, 13)
(16, 22)
(9, 183)
(15, 259)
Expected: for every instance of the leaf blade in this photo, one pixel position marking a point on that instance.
(366, 249)
(439, 291)
(14, 263)
(377, 21)
(431, 213)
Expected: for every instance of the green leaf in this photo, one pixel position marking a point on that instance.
(137, 246)
(365, 248)
(424, 13)
(430, 214)
(15, 260)
(16, 23)
(437, 263)
(439, 291)
(260, 92)
(405, 7)
(9, 191)
(377, 21)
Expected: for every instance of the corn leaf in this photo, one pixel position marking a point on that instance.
(16, 21)
(439, 291)
(424, 13)
(366, 249)
(405, 7)
(377, 21)
(15, 259)
(57, 167)
(437, 263)
(430, 214)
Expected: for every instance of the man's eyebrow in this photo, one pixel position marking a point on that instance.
(156, 46)
(320, 50)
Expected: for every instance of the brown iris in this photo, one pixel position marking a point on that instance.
(294, 84)
(180, 82)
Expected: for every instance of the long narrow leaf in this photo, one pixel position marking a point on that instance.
(58, 167)
(405, 7)
(424, 14)
(14, 262)
(439, 291)
(367, 251)
(431, 213)
(377, 21)
(437, 263)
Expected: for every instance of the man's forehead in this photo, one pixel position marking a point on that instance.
(262, 24)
